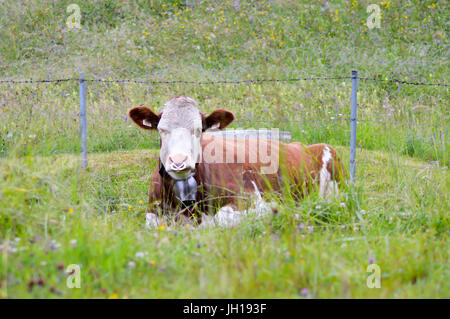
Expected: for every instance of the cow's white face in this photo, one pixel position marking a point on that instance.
(180, 129)
(180, 126)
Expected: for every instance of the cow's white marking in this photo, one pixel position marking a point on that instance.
(262, 208)
(225, 217)
(327, 186)
(146, 123)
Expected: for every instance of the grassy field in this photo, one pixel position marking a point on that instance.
(52, 214)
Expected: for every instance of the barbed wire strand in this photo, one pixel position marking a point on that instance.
(29, 81)
(248, 81)
(402, 82)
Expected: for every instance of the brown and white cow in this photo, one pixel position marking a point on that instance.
(224, 171)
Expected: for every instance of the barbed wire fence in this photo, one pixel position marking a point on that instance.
(352, 120)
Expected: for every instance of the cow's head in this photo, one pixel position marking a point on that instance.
(180, 126)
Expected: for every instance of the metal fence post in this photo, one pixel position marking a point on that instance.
(83, 125)
(353, 125)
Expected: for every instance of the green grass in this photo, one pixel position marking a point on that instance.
(396, 215)
(272, 257)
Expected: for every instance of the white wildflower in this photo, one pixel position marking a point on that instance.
(139, 254)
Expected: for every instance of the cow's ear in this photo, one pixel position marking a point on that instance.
(217, 119)
(144, 117)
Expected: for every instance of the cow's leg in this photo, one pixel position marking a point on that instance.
(157, 215)
(260, 207)
(229, 215)
(154, 216)
(226, 216)
(152, 221)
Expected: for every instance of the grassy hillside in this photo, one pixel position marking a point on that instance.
(165, 39)
(52, 214)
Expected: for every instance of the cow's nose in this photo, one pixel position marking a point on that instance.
(178, 162)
